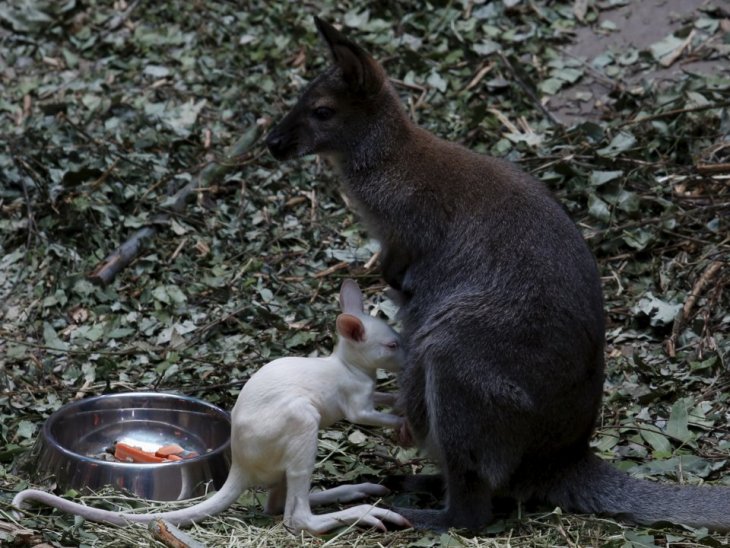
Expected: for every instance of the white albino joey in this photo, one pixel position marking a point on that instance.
(274, 426)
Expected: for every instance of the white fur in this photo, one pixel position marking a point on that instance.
(274, 428)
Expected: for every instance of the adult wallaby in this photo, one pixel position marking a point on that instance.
(274, 428)
(502, 308)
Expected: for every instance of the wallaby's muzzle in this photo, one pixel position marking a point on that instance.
(279, 145)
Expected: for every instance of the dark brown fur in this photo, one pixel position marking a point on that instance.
(502, 308)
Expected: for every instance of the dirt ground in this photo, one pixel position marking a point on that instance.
(634, 26)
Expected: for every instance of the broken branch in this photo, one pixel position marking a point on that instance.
(116, 261)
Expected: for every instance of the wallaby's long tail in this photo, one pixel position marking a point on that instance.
(595, 486)
(235, 484)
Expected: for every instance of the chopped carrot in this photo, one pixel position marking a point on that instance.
(167, 450)
(127, 453)
(173, 458)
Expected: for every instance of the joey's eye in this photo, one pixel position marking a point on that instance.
(393, 345)
(323, 113)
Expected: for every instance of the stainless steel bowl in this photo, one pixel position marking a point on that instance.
(72, 438)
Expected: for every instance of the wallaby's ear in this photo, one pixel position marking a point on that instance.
(351, 297)
(350, 327)
(361, 72)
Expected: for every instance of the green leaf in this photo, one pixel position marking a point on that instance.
(26, 429)
(638, 539)
(598, 209)
(357, 438)
(599, 178)
(156, 71)
(300, 338)
(622, 142)
(678, 425)
(660, 312)
(665, 47)
(51, 339)
(436, 81)
(551, 86)
(628, 201)
(637, 238)
(656, 438)
(486, 47)
(16, 351)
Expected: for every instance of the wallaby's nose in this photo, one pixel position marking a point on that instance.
(273, 140)
(275, 144)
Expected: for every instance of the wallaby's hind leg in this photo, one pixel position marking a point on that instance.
(468, 505)
(430, 484)
(477, 456)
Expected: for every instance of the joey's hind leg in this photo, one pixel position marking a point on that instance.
(347, 493)
(302, 453)
(276, 498)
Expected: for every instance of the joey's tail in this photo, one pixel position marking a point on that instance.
(594, 486)
(235, 484)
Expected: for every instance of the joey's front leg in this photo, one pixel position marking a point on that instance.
(371, 417)
(385, 398)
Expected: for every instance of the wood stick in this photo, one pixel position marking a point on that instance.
(116, 261)
(171, 536)
(712, 169)
(681, 319)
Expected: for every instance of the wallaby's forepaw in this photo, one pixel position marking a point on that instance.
(405, 435)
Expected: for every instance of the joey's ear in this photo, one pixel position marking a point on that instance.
(361, 72)
(350, 327)
(351, 297)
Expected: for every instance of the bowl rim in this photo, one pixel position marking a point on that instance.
(51, 439)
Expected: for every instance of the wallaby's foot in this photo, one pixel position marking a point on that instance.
(364, 515)
(348, 493)
(440, 520)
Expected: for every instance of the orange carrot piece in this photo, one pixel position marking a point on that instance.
(125, 453)
(167, 450)
(172, 458)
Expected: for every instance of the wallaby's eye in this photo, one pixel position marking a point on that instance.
(323, 113)
(393, 345)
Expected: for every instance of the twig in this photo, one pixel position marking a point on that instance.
(712, 169)
(332, 269)
(659, 218)
(528, 90)
(171, 536)
(709, 273)
(371, 261)
(670, 113)
(479, 76)
(105, 272)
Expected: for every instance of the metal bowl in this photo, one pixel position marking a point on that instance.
(73, 437)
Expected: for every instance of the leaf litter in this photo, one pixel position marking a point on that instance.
(108, 109)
